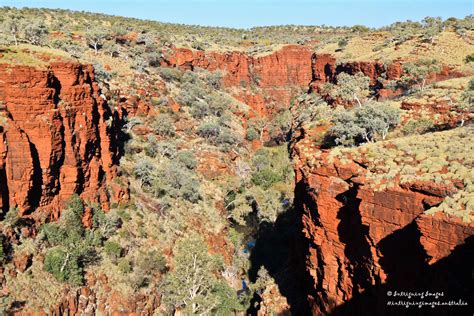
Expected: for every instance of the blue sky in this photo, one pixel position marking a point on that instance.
(248, 13)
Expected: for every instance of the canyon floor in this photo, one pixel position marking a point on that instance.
(150, 168)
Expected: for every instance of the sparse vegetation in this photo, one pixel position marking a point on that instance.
(441, 158)
(206, 172)
(194, 288)
(350, 87)
(420, 126)
(163, 125)
(70, 246)
(364, 124)
(416, 73)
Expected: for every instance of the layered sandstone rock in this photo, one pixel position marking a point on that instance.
(441, 234)
(362, 242)
(59, 137)
(289, 66)
(278, 76)
(99, 298)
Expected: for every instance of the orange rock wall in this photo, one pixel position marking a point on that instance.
(281, 75)
(59, 137)
(289, 66)
(360, 241)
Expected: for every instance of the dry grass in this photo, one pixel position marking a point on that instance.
(439, 102)
(442, 158)
(39, 289)
(449, 49)
(448, 90)
(30, 55)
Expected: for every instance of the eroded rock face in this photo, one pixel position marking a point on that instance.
(441, 234)
(289, 66)
(58, 135)
(279, 75)
(282, 74)
(361, 242)
(87, 301)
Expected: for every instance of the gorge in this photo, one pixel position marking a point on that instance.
(354, 223)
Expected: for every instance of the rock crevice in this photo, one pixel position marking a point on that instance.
(59, 137)
(362, 241)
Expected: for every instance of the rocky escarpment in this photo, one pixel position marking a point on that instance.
(278, 76)
(87, 301)
(289, 66)
(58, 135)
(282, 74)
(363, 241)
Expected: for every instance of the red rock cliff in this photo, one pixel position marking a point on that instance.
(286, 67)
(278, 75)
(58, 135)
(361, 243)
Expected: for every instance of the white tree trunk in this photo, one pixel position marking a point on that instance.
(65, 262)
(423, 84)
(358, 101)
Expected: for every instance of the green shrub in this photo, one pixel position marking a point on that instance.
(169, 74)
(266, 178)
(36, 32)
(147, 264)
(227, 139)
(218, 104)
(163, 125)
(11, 217)
(218, 135)
(151, 262)
(187, 159)
(275, 159)
(53, 233)
(213, 295)
(63, 266)
(124, 265)
(72, 216)
(69, 229)
(96, 36)
(163, 148)
(351, 87)
(214, 79)
(420, 126)
(466, 104)
(144, 172)
(469, 58)
(364, 124)
(155, 101)
(416, 73)
(176, 181)
(190, 77)
(210, 105)
(252, 134)
(124, 215)
(191, 91)
(200, 109)
(342, 43)
(69, 247)
(209, 130)
(311, 108)
(2, 250)
(105, 224)
(113, 249)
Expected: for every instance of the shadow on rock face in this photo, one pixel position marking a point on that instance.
(280, 248)
(451, 276)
